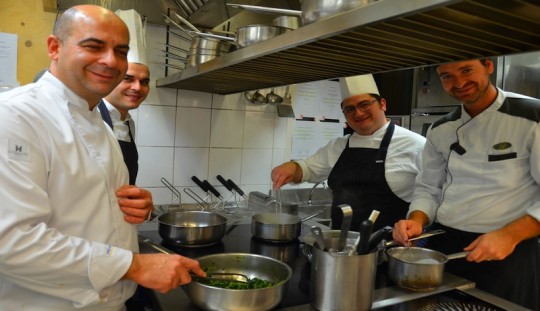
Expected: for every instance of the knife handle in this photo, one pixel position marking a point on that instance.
(211, 188)
(199, 183)
(235, 187)
(224, 182)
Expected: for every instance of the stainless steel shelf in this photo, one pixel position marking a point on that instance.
(382, 36)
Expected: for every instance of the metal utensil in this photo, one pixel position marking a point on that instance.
(259, 98)
(317, 232)
(345, 225)
(366, 227)
(273, 98)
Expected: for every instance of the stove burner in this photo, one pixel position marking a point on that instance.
(456, 306)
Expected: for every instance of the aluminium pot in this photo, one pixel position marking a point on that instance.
(418, 268)
(251, 34)
(253, 266)
(278, 227)
(192, 228)
(313, 10)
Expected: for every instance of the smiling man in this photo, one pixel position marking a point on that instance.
(114, 109)
(480, 182)
(372, 169)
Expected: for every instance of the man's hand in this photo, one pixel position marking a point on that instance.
(162, 272)
(136, 203)
(286, 173)
(406, 229)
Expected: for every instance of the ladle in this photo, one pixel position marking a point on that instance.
(273, 98)
(259, 98)
(248, 96)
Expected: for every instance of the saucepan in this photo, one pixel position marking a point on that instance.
(278, 227)
(192, 228)
(418, 268)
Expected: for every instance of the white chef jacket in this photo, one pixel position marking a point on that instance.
(403, 160)
(495, 181)
(64, 243)
(120, 127)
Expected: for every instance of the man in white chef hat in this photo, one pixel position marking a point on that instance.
(373, 168)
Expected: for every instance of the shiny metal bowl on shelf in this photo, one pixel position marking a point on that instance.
(253, 266)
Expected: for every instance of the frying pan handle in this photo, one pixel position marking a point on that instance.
(224, 182)
(199, 183)
(157, 247)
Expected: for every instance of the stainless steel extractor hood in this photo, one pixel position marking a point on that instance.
(381, 36)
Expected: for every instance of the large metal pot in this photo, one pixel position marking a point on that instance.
(418, 268)
(313, 10)
(254, 266)
(329, 236)
(192, 228)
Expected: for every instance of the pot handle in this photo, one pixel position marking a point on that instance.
(457, 255)
(156, 246)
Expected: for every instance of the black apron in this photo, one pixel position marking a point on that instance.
(358, 180)
(129, 149)
(516, 278)
(131, 156)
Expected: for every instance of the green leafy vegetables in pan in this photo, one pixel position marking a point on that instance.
(231, 284)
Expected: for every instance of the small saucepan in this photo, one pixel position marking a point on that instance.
(418, 268)
(276, 227)
(192, 228)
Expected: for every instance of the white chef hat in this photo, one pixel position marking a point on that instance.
(356, 85)
(137, 35)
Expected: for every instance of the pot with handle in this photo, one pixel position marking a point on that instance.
(192, 228)
(277, 227)
(418, 268)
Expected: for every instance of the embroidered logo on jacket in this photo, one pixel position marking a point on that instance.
(502, 146)
(18, 151)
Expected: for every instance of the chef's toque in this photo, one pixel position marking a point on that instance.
(356, 85)
(137, 35)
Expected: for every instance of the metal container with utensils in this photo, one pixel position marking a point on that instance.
(342, 282)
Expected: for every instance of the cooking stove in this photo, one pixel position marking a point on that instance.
(454, 294)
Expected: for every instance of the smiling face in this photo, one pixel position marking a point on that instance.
(132, 90)
(89, 51)
(368, 121)
(468, 82)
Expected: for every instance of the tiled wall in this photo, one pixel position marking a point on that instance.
(182, 133)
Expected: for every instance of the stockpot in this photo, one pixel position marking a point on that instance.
(313, 10)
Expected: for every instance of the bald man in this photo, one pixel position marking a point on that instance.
(67, 234)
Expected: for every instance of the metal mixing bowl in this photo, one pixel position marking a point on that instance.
(254, 266)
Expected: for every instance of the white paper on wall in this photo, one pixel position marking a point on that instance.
(8, 60)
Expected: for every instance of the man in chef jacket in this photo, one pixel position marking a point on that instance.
(67, 234)
(372, 169)
(115, 107)
(480, 182)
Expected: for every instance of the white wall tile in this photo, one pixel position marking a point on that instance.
(230, 102)
(194, 99)
(161, 96)
(278, 157)
(258, 130)
(154, 163)
(190, 162)
(162, 196)
(226, 129)
(256, 166)
(224, 162)
(156, 126)
(280, 131)
(192, 127)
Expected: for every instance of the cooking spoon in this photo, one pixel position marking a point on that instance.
(273, 98)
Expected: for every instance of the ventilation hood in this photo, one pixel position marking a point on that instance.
(382, 36)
